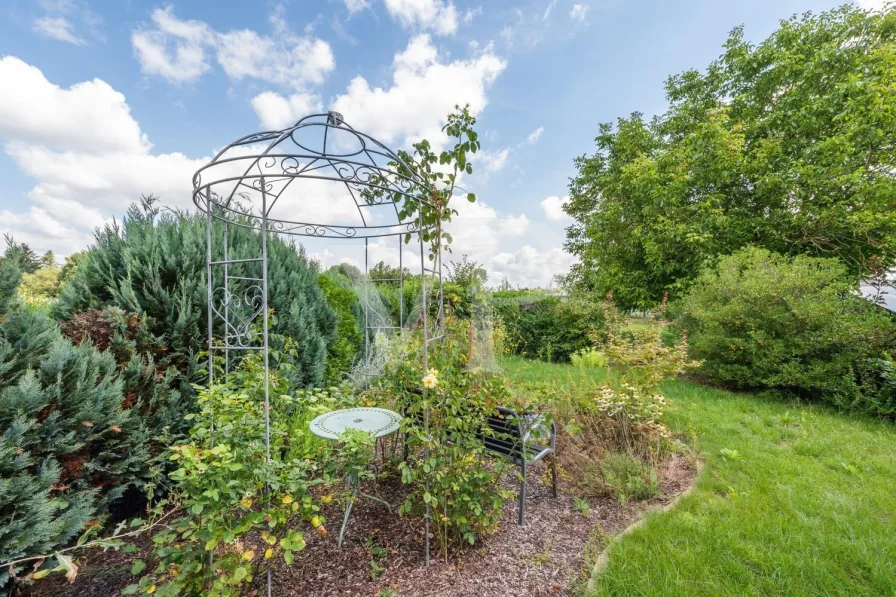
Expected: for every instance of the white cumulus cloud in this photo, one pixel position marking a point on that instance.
(529, 267)
(88, 157)
(435, 15)
(425, 88)
(276, 111)
(553, 208)
(180, 50)
(174, 49)
(88, 115)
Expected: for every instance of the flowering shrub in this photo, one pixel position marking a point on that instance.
(447, 470)
(237, 505)
(610, 436)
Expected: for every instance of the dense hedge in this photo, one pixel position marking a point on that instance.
(764, 320)
(68, 447)
(343, 299)
(548, 327)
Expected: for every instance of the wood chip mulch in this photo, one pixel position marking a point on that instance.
(543, 557)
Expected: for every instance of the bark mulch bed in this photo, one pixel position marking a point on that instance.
(543, 557)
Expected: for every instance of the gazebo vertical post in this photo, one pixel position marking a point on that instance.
(226, 292)
(209, 287)
(424, 317)
(400, 289)
(366, 308)
(209, 293)
(264, 306)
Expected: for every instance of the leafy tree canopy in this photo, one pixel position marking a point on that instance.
(466, 273)
(788, 145)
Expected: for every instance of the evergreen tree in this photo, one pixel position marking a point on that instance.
(154, 265)
(9, 281)
(22, 255)
(67, 447)
(349, 341)
(48, 260)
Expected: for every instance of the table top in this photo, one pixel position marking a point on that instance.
(377, 421)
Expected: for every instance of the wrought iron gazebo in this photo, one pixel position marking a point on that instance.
(282, 183)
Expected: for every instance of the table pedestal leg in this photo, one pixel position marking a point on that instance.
(354, 482)
(348, 511)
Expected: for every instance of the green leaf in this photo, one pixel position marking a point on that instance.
(287, 557)
(130, 589)
(239, 574)
(471, 197)
(138, 567)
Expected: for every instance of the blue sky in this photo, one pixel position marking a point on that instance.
(103, 101)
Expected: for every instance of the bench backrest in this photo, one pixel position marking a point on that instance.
(507, 433)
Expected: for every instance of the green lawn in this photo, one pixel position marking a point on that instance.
(794, 499)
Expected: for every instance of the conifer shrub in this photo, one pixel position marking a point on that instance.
(68, 445)
(340, 295)
(154, 265)
(151, 391)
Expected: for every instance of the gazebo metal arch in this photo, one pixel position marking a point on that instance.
(243, 184)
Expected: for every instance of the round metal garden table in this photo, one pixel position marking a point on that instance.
(378, 422)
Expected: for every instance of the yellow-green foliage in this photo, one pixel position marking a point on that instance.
(589, 357)
(42, 284)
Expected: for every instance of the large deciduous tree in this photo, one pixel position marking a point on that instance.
(788, 145)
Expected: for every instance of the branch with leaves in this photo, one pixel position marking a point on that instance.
(117, 540)
(436, 177)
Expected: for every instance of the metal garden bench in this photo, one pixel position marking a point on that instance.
(511, 439)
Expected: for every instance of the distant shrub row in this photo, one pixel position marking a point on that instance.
(543, 326)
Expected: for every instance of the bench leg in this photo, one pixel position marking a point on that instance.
(523, 494)
(554, 473)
